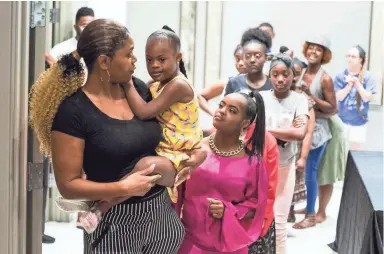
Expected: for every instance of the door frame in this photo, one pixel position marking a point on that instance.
(14, 113)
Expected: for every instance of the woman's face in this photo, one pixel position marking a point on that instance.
(239, 63)
(122, 64)
(281, 78)
(230, 116)
(298, 71)
(353, 59)
(161, 58)
(315, 54)
(254, 57)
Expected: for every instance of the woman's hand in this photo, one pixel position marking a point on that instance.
(300, 164)
(350, 80)
(356, 81)
(216, 208)
(139, 183)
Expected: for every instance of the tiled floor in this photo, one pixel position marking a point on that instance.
(314, 240)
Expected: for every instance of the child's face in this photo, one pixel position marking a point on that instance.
(239, 62)
(281, 78)
(298, 71)
(162, 60)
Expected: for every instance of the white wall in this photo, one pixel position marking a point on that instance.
(346, 23)
(115, 9)
(143, 18)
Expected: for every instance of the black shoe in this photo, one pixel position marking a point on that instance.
(48, 239)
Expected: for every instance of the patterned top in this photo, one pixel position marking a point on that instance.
(180, 125)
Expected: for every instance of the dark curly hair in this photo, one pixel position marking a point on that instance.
(256, 35)
(238, 47)
(266, 24)
(167, 33)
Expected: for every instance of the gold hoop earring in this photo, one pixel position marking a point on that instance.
(109, 76)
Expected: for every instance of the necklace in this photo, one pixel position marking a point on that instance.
(224, 154)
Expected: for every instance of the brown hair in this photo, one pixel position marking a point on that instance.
(362, 55)
(327, 56)
(100, 37)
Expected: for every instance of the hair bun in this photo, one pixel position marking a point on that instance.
(165, 27)
(283, 49)
(71, 66)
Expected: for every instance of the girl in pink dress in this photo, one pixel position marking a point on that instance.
(223, 203)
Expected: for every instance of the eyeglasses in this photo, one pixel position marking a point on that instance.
(352, 56)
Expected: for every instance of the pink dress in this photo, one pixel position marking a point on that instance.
(241, 186)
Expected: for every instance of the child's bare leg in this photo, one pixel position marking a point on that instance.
(164, 167)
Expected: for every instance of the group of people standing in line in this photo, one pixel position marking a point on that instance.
(154, 183)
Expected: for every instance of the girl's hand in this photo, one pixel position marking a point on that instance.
(298, 122)
(216, 208)
(300, 164)
(197, 157)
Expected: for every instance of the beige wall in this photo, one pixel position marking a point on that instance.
(376, 56)
(5, 145)
(216, 28)
(13, 135)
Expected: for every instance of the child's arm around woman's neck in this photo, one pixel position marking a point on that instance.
(175, 91)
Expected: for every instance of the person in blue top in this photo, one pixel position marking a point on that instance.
(354, 89)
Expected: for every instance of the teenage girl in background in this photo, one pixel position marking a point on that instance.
(217, 88)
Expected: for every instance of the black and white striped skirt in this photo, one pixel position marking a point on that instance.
(142, 228)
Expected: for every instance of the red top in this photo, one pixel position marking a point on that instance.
(271, 158)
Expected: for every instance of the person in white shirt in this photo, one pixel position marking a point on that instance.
(84, 16)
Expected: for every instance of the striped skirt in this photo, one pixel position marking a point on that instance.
(142, 228)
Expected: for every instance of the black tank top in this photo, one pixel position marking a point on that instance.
(239, 84)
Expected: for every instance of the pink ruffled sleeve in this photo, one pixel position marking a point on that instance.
(233, 230)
